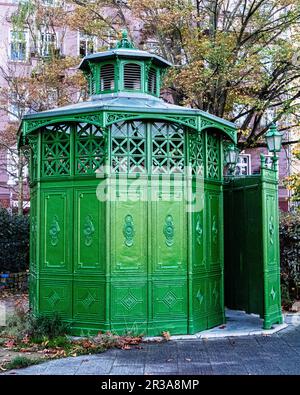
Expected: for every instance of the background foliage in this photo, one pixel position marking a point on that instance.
(289, 231)
(14, 242)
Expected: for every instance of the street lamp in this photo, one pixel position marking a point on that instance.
(231, 158)
(273, 139)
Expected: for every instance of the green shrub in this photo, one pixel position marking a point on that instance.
(47, 327)
(289, 231)
(21, 323)
(14, 240)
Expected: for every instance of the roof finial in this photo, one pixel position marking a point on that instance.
(124, 42)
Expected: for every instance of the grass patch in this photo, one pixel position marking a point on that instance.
(47, 338)
(21, 362)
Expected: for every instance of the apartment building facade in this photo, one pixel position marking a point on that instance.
(19, 54)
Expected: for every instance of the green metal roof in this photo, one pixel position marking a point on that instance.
(136, 54)
(124, 102)
(124, 49)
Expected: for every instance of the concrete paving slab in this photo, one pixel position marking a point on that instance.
(238, 323)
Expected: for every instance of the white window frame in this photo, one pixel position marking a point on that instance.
(83, 36)
(241, 165)
(12, 164)
(11, 40)
(51, 3)
(44, 45)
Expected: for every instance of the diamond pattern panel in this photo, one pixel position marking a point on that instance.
(213, 156)
(128, 145)
(167, 148)
(89, 149)
(196, 153)
(56, 150)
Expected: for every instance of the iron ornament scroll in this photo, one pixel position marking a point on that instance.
(128, 230)
(169, 230)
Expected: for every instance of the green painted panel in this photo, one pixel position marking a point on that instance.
(33, 232)
(200, 300)
(170, 300)
(89, 243)
(57, 231)
(168, 234)
(272, 226)
(215, 303)
(129, 302)
(56, 297)
(89, 301)
(128, 237)
(198, 241)
(272, 296)
(214, 228)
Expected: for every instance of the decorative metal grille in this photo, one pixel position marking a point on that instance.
(132, 76)
(167, 148)
(33, 142)
(89, 149)
(213, 156)
(107, 77)
(128, 147)
(56, 150)
(196, 146)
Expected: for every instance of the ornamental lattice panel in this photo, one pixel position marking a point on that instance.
(89, 149)
(196, 153)
(167, 148)
(56, 150)
(213, 156)
(128, 147)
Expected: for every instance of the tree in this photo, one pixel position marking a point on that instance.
(51, 81)
(293, 181)
(235, 59)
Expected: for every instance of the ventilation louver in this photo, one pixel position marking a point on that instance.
(107, 77)
(132, 76)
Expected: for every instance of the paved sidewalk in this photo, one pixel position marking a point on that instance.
(275, 354)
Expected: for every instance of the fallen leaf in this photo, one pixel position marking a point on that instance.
(166, 335)
(9, 344)
(126, 347)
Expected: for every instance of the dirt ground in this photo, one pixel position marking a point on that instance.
(11, 301)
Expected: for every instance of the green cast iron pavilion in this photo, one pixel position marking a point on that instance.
(144, 259)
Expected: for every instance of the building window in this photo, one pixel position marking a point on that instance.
(107, 77)
(51, 3)
(132, 76)
(16, 105)
(152, 81)
(243, 166)
(13, 111)
(18, 45)
(152, 46)
(108, 39)
(47, 44)
(12, 164)
(87, 44)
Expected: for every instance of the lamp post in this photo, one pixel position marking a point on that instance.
(231, 158)
(273, 140)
